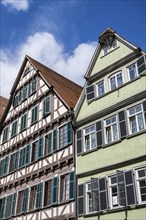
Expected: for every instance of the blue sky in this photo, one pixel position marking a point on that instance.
(63, 34)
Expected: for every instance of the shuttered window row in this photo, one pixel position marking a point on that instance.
(51, 192)
(53, 141)
(116, 127)
(124, 189)
(134, 70)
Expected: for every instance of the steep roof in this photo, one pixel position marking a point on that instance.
(3, 104)
(66, 89)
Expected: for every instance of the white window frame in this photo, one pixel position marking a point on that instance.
(110, 186)
(111, 128)
(116, 81)
(138, 184)
(129, 71)
(136, 117)
(97, 86)
(88, 193)
(107, 49)
(90, 133)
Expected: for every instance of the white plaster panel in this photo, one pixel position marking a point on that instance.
(54, 211)
(45, 163)
(41, 82)
(71, 149)
(44, 88)
(49, 213)
(62, 110)
(55, 114)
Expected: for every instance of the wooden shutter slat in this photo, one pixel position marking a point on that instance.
(95, 194)
(121, 188)
(103, 194)
(72, 185)
(141, 64)
(90, 92)
(130, 188)
(69, 133)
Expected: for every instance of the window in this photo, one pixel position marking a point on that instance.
(22, 201)
(51, 142)
(65, 135)
(5, 134)
(100, 88)
(13, 161)
(113, 188)
(141, 181)
(2, 207)
(106, 50)
(132, 70)
(109, 48)
(37, 150)
(34, 114)
(10, 205)
(116, 80)
(23, 122)
(25, 92)
(4, 166)
(14, 128)
(55, 190)
(111, 129)
(16, 100)
(36, 196)
(32, 86)
(136, 119)
(47, 193)
(64, 188)
(90, 137)
(24, 156)
(46, 106)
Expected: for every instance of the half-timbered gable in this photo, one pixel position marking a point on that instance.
(37, 172)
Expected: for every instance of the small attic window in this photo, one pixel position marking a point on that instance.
(27, 70)
(107, 49)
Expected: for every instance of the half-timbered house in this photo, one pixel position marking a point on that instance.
(37, 171)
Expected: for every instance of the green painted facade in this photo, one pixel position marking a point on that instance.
(127, 152)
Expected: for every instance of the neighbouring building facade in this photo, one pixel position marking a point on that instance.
(37, 169)
(110, 124)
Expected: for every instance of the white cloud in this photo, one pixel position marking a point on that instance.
(43, 47)
(19, 5)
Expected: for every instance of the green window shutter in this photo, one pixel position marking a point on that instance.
(33, 85)
(69, 133)
(5, 165)
(13, 204)
(27, 154)
(39, 193)
(2, 207)
(54, 191)
(22, 157)
(25, 200)
(1, 168)
(54, 139)
(16, 160)
(34, 114)
(5, 135)
(49, 141)
(72, 185)
(9, 206)
(46, 106)
(40, 147)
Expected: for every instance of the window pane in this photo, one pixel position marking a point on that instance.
(119, 79)
(93, 140)
(113, 82)
(133, 126)
(115, 132)
(140, 122)
(132, 72)
(100, 88)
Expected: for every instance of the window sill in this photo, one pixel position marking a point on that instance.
(136, 134)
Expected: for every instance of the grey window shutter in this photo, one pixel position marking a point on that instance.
(144, 109)
(54, 191)
(90, 92)
(130, 188)
(121, 188)
(55, 136)
(103, 201)
(141, 64)
(16, 159)
(99, 133)
(72, 185)
(81, 199)
(122, 124)
(79, 141)
(48, 143)
(69, 133)
(25, 200)
(95, 194)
